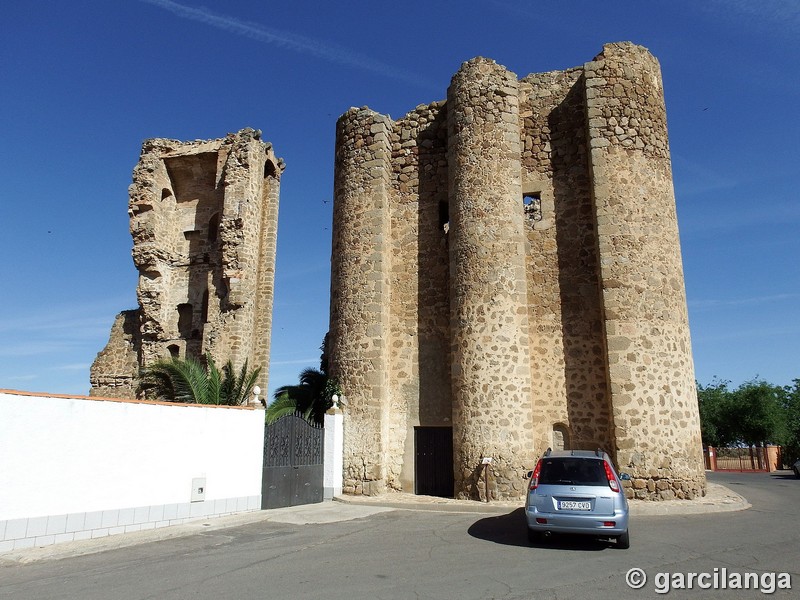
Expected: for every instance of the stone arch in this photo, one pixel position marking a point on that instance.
(561, 437)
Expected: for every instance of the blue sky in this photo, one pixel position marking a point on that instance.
(82, 83)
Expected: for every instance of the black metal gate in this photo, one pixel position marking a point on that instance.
(293, 463)
(433, 465)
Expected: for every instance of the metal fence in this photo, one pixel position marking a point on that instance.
(740, 459)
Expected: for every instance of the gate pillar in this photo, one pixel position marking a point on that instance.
(334, 452)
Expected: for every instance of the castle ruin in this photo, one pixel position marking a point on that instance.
(204, 219)
(507, 277)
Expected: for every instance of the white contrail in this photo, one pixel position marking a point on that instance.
(301, 361)
(287, 40)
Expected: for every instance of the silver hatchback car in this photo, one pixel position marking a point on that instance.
(577, 491)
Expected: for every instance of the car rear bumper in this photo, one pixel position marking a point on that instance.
(589, 524)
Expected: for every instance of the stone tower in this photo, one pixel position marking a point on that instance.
(489, 333)
(204, 217)
(506, 276)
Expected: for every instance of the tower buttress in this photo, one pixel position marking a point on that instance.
(360, 292)
(491, 376)
(649, 360)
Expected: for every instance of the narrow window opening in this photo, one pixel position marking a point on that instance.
(532, 203)
(444, 216)
(185, 320)
(269, 170)
(165, 193)
(174, 351)
(204, 312)
(213, 227)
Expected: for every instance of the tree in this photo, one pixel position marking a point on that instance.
(791, 403)
(753, 414)
(311, 397)
(758, 413)
(188, 380)
(716, 426)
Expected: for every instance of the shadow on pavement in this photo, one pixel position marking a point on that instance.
(784, 475)
(512, 530)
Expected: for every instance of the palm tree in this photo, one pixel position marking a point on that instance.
(283, 405)
(311, 397)
(187, 380)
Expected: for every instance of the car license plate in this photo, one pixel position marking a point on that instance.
(574, 505)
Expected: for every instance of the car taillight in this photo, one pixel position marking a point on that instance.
(535, 476)
(612, 480)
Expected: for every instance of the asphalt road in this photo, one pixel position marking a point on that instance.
(422, 554)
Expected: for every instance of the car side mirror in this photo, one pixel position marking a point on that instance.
(624, 477)
(528, 475)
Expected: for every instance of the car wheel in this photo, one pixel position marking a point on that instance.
(624, 541)
(796, 472)
(534, 537)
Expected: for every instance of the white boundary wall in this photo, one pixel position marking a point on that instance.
(74, 468)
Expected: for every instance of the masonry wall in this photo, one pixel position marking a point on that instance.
(571, 408)
(359, 330)
(204, 227)
(650, 368)
(419, 343)
(491, 369)
(531, 288)
(77, 468)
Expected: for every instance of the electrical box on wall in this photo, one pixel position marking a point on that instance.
(198, 489)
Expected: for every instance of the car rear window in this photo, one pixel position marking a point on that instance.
(572, 471)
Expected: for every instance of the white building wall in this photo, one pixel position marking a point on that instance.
(74, 467)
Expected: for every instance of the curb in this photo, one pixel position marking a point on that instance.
(718, 499)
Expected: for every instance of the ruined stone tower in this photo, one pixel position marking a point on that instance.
(204, 217)
(507, 276)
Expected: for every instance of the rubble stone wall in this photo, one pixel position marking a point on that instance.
(650, 368)
(565, 312)
(359, 331)
(204, 223)
(419, 342)
(516, 249)
(491, 378)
